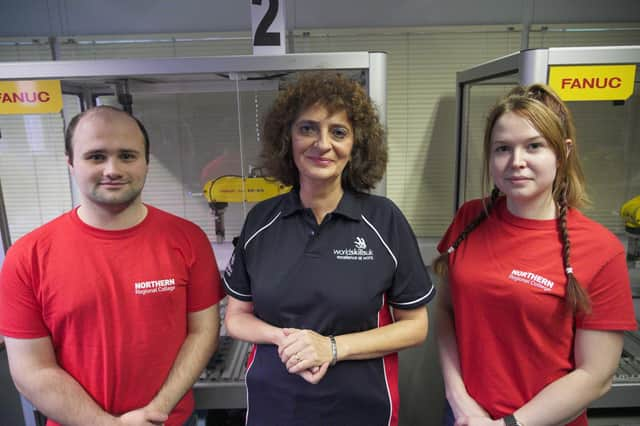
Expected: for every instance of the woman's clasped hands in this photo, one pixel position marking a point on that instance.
(306, 353)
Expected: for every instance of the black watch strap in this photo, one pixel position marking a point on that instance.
(510, 420)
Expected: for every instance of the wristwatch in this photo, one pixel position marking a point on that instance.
(510, 420)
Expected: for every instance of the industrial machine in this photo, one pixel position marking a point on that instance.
(630, 212)
(223, 190)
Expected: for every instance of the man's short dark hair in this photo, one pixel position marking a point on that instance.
(71, 129)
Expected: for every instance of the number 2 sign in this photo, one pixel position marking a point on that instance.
(268, 27)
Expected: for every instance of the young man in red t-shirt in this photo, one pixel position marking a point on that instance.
(110, 311)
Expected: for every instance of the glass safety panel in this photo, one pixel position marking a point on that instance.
(479, 98)
(608, 135)
(205, 140)
(607, 141)
(33, 170)
(204, 143)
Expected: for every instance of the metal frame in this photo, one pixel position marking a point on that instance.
(374, 62)
(4, 226)
(526, 67)
(121, 68)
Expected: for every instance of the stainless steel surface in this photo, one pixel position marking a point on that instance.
(222, 385)
(594, 55)
(621, 395)
(123, 68)
(377, 85)
(625, 391)
(533, 66)
(632, 346)
(634, 278)
(504, 65)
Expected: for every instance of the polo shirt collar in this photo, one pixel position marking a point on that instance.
(292, 203)
(349, 205)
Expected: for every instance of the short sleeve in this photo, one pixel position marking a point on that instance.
(412, 286)
(236, 278)
(20, 311)
(204, 276)
(610, 296)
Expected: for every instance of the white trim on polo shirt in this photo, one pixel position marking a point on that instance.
(261, 229)
(226, 284)
(417, 300)
(383, 242)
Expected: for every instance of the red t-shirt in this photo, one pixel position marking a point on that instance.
(514, 333)
(114, 303)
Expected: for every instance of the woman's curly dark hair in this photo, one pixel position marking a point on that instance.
(336, 93)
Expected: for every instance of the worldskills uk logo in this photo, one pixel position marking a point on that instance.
(359, 251)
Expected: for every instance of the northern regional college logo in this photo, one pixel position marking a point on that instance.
(531, 279)
(359, 252)
(155, 286)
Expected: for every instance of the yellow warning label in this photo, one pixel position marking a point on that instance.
(30, 97)
(593, 82)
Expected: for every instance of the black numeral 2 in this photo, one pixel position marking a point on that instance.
(264, 37)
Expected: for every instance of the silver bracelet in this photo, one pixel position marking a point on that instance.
(334, 351)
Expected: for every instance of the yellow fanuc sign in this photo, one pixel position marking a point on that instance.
(593, 82)
(30, 97)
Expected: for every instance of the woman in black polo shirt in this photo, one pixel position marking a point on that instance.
(327, 280)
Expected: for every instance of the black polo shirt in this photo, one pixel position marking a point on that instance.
(337, 277)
